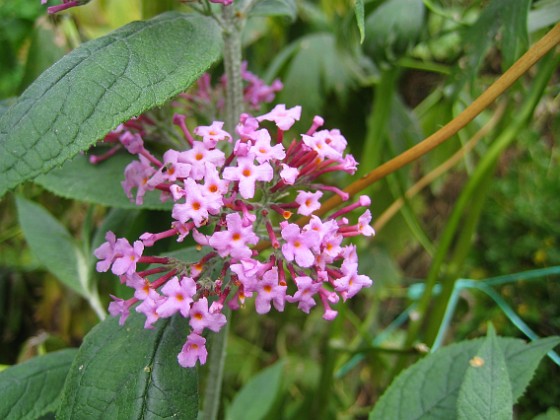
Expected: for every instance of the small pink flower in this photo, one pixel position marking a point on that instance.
(235, 240)
(196, 206)
(120, 307)
(142, 287)
(289, 174)
(212, 134)
(299, 244)
(194, 349)
(284, 118)
(308, 202)
(269, 291)
(149, 308)
(126, 256)
(198, 156)
(262, 149)
(247, 173)
(304, 295)
(202, 318)
(179, 296)
(137, 174)
(106, 252)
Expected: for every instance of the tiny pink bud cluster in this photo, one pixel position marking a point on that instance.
(229, 202)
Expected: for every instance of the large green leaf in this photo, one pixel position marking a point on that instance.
(432, 385)
(53, 246)
(100, 184)
(32, 389)
(257, 397)
(99, 85)
(129, 372)
(486, 390)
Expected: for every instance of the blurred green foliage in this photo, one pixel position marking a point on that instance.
(417, 70)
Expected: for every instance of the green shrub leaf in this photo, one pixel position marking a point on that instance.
(486, 390)
(32, 389)
(432, 385)
(99, 85)
(275, 8)
(257, 397)
(100, 184)
(53, 246)
(129, 372)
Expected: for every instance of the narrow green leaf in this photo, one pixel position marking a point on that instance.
(485, 393)
(516, 32)
(53, 246)
(100, 184)
(275, 8)
(99, 85)
(432, 385)
(257, 397)
(129, 372)
(32, 389)
(359, 11)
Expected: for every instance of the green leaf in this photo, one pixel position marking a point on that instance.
(257, 397)
(359, 11)
(515, 31)
(432, 384)
(53, 246)
(393, 28)
(275, 8)
(99, 85)
(129, 372)
(486, 390)
(100, 184)
(552, 413)
(478, 39)
(523, 361)
(32, 389)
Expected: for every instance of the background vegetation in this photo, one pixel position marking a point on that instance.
(493, 210)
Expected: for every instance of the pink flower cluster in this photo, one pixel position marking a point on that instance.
(230, 203)
(205, 99)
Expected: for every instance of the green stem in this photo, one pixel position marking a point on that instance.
(232, 63)
(231, 32)
(216, 363)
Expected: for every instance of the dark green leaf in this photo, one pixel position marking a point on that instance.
(275, 8)
(99, 85)
(257, 397)
(485, 393)
(53, 246)
(100, 184)
(393, 28)
(32, 389)
(432, 384)
(129, 372)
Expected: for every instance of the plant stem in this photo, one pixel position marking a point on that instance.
(216, 364)
(232, 63)
(520, 67)
(231, 33)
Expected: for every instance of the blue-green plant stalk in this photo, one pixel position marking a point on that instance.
(450, 232)
(459, 227)
(486, 287)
